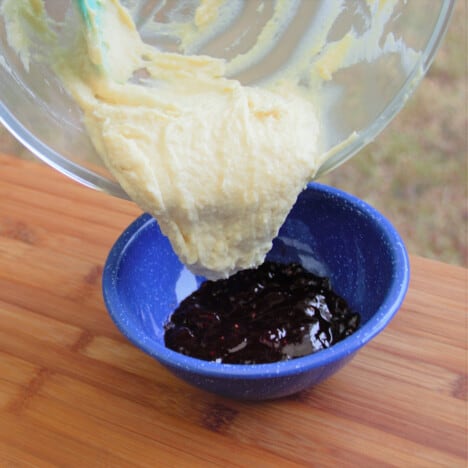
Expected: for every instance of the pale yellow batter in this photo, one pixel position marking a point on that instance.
(218, 164)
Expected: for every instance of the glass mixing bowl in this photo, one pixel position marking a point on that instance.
(362, 97)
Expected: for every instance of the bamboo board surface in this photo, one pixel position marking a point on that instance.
(74, 392)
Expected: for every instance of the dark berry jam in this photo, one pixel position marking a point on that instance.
(273, 313)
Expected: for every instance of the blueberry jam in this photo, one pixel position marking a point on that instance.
(273, 313)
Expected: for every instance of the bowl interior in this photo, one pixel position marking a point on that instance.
(330, 233)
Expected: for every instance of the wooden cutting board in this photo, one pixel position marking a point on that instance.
(73, 392)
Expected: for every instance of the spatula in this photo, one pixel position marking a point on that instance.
(91, 12)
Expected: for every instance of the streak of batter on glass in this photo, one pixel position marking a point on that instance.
(217, 163)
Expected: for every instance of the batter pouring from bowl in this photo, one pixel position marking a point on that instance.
(218, 164)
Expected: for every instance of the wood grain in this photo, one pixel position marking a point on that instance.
(74, 392)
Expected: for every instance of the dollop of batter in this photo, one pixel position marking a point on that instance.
(218, 164)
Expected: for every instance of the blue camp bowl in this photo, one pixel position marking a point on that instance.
(329, 232)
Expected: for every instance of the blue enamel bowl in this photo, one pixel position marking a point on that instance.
(329, 232)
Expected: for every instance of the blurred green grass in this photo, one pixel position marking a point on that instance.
(415, 172)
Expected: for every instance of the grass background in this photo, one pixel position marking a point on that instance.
(415, 172)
